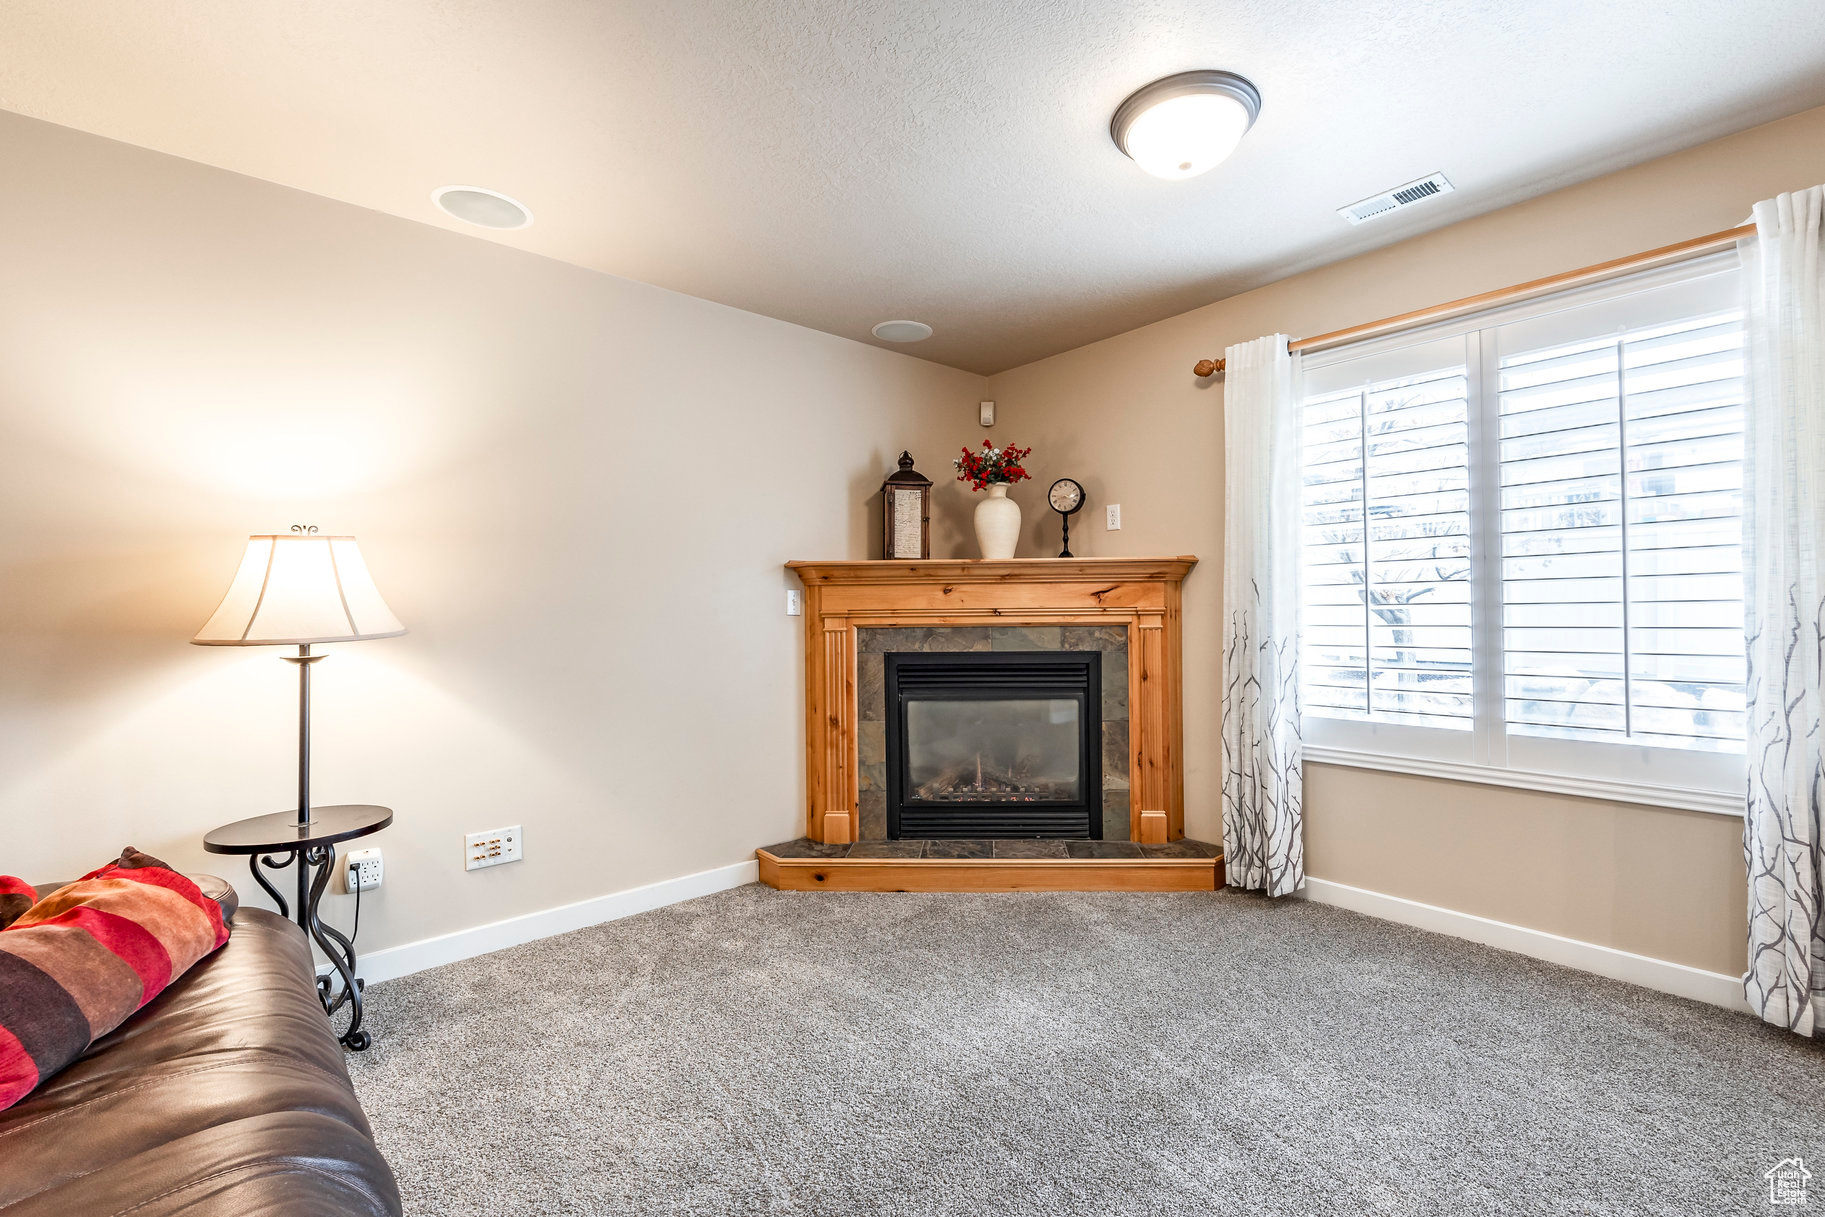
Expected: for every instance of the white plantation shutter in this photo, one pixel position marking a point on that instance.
(1386, 617)
(1522, 542)
(1621, 500)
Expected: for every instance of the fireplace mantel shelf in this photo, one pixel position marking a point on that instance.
(1141, 595)
(999, 570)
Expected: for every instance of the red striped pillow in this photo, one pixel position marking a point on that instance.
(78, 962)
(16, 896)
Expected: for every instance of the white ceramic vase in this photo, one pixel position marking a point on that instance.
(998, 523)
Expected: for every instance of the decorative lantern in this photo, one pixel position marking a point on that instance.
(907, 496)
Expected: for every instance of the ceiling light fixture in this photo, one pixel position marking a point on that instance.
(1187, 124)
(902, 331)
(479, 205)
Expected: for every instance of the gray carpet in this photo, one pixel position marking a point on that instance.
(761, 1052)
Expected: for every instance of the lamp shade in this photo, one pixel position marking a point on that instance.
(299, 588)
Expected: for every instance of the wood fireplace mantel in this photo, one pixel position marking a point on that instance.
(1142, 594)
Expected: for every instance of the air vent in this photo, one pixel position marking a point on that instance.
(1395, 199)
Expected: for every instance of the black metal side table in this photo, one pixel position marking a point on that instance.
(277, 841)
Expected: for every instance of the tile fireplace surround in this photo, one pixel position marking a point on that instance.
(872, 645)
(1127, 608)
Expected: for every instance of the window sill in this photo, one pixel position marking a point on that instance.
(1716, 802)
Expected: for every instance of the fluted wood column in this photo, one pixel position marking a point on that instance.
(1150, 769)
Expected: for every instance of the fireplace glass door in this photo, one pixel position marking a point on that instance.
(994, 745)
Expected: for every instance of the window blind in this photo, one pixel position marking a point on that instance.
(1522, 537)
(1621, 503)
(1387, 551)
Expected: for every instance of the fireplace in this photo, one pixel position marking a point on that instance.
(1128, 609)
(993, 744)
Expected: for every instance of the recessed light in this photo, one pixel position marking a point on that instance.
(902, 331)
(1184, 125)
(479, 205)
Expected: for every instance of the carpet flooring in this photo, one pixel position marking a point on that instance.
(762, 1052)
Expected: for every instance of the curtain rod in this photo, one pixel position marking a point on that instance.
(1520, 291)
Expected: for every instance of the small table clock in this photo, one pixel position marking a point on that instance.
(1066, 497)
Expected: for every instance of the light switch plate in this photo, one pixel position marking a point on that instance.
(988, 413)
(491, 848)
(795, 606)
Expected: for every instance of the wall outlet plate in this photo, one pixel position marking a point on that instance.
(362, 870)
(491, 848)
(1112, 517)
(795, 606)
(987, 413)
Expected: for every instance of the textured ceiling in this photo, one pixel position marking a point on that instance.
(840, 162)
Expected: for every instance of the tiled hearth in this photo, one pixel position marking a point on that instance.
(1027, 850)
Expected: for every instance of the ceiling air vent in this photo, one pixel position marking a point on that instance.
(1395, 199)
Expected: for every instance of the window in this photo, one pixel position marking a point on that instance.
(1522, 543)
(1386, 618)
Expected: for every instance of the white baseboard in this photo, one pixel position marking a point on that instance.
(1675, 978)
(392, 962)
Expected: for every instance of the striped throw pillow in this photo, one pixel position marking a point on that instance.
(16, 896)
(75, 964)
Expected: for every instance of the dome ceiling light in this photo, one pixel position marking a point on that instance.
(1184, 125)
(902, 331)
(479, 205)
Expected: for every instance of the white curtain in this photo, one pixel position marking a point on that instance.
(1263, 841)
(1783, 529)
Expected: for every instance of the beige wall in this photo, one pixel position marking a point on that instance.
(1127, 418)
(576, 490)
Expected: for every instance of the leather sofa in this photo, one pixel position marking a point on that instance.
(225, 1095)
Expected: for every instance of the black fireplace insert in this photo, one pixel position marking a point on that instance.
(994, 744)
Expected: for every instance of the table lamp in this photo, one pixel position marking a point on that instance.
(300, 589)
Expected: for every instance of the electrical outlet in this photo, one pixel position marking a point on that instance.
(1112, 517)
(361, 870)
(491, 848)
(794, 604)
(987, 413)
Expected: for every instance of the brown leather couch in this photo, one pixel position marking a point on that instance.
(225, 1096)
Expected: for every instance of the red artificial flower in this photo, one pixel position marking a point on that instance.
(982, 469)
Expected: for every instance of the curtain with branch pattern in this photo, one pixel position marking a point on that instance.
(1263, 840)
(1784, 593)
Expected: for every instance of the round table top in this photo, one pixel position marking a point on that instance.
(281, 832)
